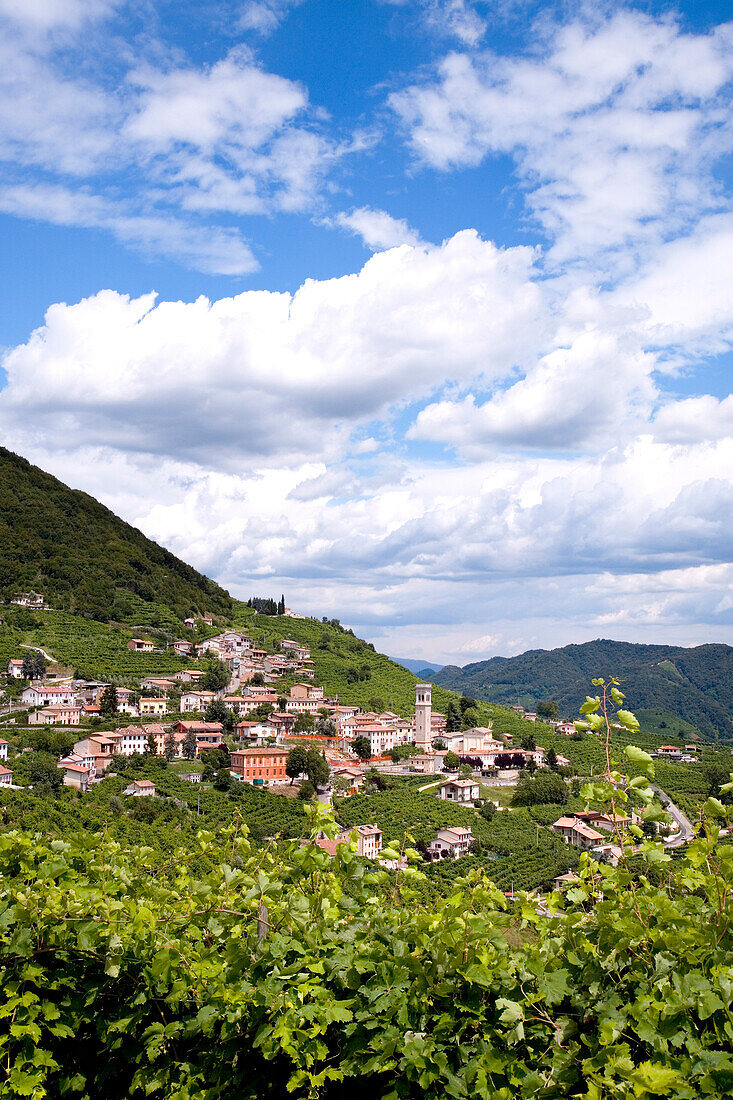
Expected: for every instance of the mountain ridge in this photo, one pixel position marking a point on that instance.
(692, 683)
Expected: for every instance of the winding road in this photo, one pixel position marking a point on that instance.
(686, 831)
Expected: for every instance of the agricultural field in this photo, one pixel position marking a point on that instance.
(97, 650)
(514, 847)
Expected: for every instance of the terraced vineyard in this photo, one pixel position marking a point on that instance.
(98, 650)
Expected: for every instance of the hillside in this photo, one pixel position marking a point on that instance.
(694, 684)
(85, 560)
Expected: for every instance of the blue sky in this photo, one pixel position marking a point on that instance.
(419, 310)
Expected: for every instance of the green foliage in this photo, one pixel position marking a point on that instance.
(361, 746)
(216, 675)
(451, 761)
(541, 788)
(297, 762)
(84, 559)
(108, 701)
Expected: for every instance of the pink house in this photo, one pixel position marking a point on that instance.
(6, 776)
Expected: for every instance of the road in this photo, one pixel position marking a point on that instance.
(38, 649)
(686, 831)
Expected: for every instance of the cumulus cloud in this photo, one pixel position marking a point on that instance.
(265, 16)
(181, 378)
(569, 400)
(614, 126)
(48, 14)
(377, 228)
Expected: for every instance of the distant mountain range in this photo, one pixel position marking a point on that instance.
(419, 667)
(694, 684)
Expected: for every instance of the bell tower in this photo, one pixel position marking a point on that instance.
(423, 711)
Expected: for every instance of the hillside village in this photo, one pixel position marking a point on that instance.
(242, 712)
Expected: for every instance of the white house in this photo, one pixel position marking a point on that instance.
(140, 788)
(45, 695)
(15, 668)
(3, 749)
(196, 701)
(6, 777)
(459, 790)
(140, 645)
(29, 599)
(450, 843)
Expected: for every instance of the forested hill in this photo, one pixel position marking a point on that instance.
(694, 684)
(86, 560)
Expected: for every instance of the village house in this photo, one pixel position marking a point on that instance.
(670, 752)
(255, 732)
(44, 695)
(55, 716)
(132, 739)
(182, 647)
(303, 706)
(153, 707)
(3, 749)
(190, 622)
(196, 701)
(6, 776)
(140, 788)
(301, 652)
(450, 843)
(353, 777)
(368, 839)
(209, 735)
(158, 683)
(30, 599)
(190, 777)
(576, 832)
(15, 668)
(307, 691)
(566, 728)
(260, 766)
(188, 675)
(95, 752)
(283, 723)
(140, 645)
(459, 790)
(530, 716)
(251, 702)
(75, 774)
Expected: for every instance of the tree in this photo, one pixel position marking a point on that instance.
(488, 809)
(216, 711)
(547, 708)
(190, 744)
(324, 641)
(528, 742)
(170, 748)
(223, 780)
(438, 744)
(304, 723)
(327, 727)
(376, 704)
(258, 680)
(282, 704)
(296, 762)
(281, 605)
(551, 758)
(34, 665)
(151, 747)
(362, 747)
(108, 701)
(317, 768)
(44, 774)
(451, 761)
(452, 717)
(471, 718)
(306, 791)
(465, 771)
(544, 788)
(216, 676)
(466, 703)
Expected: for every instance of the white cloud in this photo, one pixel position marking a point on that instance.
(214, 250)
(48, 14)
(377, 228)
(181, 379)
(572, 399)
(265, 16)
(614, 127)
(695, 419)
(174, 145)
(449, 18)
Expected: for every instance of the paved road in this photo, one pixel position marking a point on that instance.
(686, 831)
(38, 649)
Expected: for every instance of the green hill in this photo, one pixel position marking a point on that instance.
(86, 560)
(695, 684)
